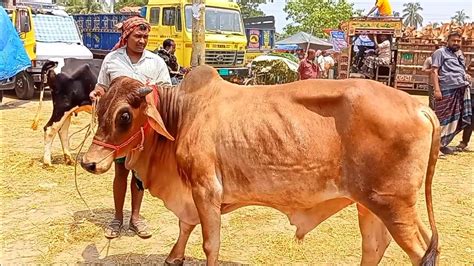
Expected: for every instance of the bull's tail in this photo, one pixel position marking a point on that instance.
(430, 257)
(46, 67)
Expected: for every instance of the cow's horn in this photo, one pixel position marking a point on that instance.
(144, 91)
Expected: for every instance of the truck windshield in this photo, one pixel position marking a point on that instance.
(51, 28)
(217, 20)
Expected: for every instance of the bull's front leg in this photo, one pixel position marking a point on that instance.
(207, 195)
(176, 256)
(64, 137)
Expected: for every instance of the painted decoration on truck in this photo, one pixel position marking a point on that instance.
(254, 39)
(338, 40)
(266, 39)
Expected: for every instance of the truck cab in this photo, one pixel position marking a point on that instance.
(225, 36)
(357, 30)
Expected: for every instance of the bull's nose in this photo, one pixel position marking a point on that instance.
(90, 167)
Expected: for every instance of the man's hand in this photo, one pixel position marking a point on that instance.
(97, 92)
(468, 77)
(438, 96)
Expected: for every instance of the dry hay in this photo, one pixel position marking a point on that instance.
(44, 220)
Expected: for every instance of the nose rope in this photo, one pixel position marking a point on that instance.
(90, 129)
(117, 148)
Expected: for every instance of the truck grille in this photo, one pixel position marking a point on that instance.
(224, 58)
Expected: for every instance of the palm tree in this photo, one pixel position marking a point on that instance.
(411, 16)
(460, 17)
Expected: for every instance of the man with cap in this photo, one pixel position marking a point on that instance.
(130, 58)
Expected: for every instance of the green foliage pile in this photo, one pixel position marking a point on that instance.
(270, 72)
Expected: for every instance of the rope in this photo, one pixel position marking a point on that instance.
(90, 129)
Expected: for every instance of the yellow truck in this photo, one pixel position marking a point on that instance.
(172, 19)
(23, 83)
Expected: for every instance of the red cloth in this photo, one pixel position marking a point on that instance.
(308, 70)
(127, 27)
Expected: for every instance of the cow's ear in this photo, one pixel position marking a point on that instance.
(154, 118)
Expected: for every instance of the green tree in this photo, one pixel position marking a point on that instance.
(250, 8)
(124, 3)
(313, 16)
(460, 17)
(81, 6)
(411, 15)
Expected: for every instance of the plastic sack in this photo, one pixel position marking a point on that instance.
(13, 57)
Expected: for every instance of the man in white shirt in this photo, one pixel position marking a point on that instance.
(130, 58)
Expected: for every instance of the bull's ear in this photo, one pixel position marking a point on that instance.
(154, 118)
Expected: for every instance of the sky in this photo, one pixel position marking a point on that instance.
(433, 10)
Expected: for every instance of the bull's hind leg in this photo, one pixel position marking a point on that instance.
(401, 219)
(375, 236)
(64, 137)
(176, 256)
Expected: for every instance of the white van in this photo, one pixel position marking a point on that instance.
(57, 38)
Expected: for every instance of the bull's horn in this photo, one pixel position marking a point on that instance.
(144, 91)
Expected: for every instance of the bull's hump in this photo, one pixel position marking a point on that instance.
(200, 77)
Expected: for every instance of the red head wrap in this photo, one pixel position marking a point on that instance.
(127, 27)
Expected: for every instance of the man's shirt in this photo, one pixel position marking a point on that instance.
(308, 70)
(150, 68)
(385, 9)
(451, 68)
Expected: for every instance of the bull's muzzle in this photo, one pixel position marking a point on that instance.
(89, 167)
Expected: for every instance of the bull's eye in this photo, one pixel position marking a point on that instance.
(125, 118)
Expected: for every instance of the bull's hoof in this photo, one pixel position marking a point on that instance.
(176, 262)
(68, 160)
(47, 164)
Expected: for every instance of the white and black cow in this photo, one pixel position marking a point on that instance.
(70, 94)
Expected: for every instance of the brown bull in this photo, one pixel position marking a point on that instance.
(307, 149)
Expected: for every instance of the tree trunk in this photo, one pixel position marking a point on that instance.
(199, 44)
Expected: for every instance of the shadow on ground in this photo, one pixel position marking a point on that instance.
(91, 256)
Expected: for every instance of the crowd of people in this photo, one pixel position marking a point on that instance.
(315, 64)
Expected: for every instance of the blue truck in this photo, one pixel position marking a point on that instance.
(98, 31)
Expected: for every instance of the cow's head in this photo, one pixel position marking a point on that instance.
(125, 114)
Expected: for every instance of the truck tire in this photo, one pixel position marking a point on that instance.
(24, 87)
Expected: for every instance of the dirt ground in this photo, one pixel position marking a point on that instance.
(45, 221)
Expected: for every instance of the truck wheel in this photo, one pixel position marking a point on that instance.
(24, 87)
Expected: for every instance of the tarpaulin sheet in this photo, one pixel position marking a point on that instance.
(13, 57)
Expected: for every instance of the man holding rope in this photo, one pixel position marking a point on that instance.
(130, 58)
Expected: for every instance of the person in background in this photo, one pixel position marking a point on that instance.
(451, 90)
(130, 58)
(467, 132)
(307, 68)
(383, 7)
(167, 53)
(384, 55)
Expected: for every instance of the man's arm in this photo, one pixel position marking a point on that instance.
(435, 79)
(103, 80)
(372, 11)
(437, 61)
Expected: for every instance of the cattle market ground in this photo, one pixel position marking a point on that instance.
(44, 220)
